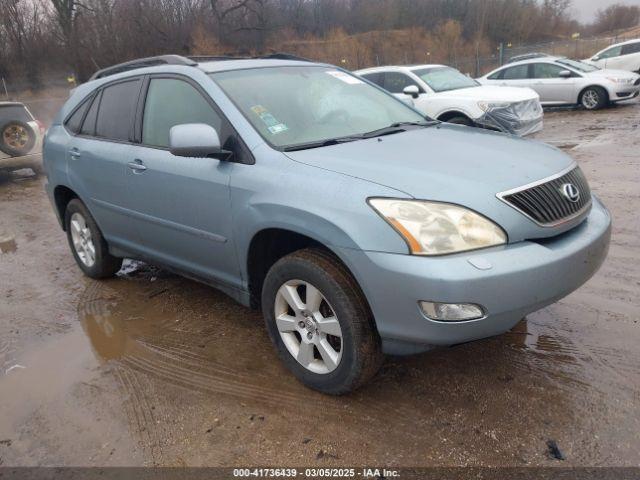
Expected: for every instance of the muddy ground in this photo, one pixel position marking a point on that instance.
(153, 369)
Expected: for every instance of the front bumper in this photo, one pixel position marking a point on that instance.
(515, 280)
(522, 118)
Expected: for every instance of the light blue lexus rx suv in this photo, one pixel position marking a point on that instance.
(356, 224)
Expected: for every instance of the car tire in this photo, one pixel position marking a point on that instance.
(594, 98)
(16, 138)
(460, 120)
(87, 244)
(355, 356)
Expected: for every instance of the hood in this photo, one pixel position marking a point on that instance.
(487, 93)
(449, 163)
(609, 72)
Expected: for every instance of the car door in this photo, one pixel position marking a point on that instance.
(548, 83)
(182, 205)
(629, 57)
(99, 150)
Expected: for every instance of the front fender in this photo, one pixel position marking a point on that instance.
(329, 207)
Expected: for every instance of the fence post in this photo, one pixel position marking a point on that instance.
(501, 54)
(6, 91)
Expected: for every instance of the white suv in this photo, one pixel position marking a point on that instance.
(621, 56)
(445, 94)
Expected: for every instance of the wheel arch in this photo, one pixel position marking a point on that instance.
(449, 114)
(62, 195)
(269, 245)
(584, 89)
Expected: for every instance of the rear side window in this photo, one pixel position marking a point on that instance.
(377, 78)
(74, 123)
(172, 102)
(117, 109)
(518, 72)
(546, 70)
(89, 125)
(631, 48)
(10, 113)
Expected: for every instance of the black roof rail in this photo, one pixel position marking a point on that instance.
(528, 56)
(269, 56)
(142, 63)
(284, 56)
(214, 58)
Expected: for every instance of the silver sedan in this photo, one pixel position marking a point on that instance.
(561, 81)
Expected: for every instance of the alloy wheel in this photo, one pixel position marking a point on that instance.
(590, 99)
(308, 326)
(15, 136)
(82, 240)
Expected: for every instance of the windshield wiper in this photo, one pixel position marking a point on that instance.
(322, 143)
(396, 128)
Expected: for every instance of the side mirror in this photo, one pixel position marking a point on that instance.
(565, 74)
(595, 59)
(196, 140)
(412, 90)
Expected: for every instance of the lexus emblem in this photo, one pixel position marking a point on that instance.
(570, 192)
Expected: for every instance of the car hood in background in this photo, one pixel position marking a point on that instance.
(486, 93)
(449, 163)
(613, 74)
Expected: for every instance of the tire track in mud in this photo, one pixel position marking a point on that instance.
(172, 355)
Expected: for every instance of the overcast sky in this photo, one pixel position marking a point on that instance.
(585, 10)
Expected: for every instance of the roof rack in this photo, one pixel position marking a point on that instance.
(270, 56)
(190, 61)
(527, 56)
(142, 63)
(284, 56)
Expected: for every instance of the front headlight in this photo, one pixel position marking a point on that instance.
(433, 228)
(623, 81)
(486, 106)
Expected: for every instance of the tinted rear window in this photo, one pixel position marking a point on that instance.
(117, 108)
(75, 121)
(89, 125)
(9, 113)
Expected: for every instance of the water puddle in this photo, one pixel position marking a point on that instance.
(8, 244)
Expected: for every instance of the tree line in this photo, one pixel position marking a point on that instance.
(81, 36)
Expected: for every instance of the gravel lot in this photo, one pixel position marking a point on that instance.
(153, 369)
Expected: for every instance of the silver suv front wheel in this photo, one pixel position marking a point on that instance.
(320, 322)
(309, 328)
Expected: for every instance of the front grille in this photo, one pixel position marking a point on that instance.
(546, 204)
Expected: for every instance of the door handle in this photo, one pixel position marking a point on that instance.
(137, 166)
(74, 153)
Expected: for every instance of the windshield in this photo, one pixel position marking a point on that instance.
(292, 106)
(580, 66)
(442, 79)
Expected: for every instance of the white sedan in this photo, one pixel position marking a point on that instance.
(560, 81)
(445, 94)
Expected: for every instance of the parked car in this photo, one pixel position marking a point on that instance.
(621, 56)
(20, 138)
(445, 94)
(561, 81)
(356, 226)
